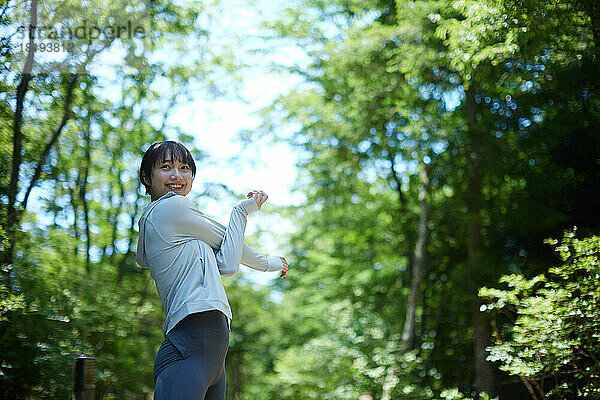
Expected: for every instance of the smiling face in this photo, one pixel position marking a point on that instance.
(170, 175)
(167, 166)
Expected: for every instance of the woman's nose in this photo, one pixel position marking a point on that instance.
(175, 173)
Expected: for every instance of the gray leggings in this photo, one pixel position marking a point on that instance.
(190, 364)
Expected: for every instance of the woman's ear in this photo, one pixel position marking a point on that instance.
(145, 180)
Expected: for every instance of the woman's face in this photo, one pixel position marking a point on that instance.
(170, 175)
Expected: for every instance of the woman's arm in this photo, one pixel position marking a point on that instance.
(229, 253)
(250, 257)
(187, 221)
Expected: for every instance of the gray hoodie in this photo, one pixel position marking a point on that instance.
(187, 252)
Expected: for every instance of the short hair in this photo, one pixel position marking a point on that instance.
(159, 152)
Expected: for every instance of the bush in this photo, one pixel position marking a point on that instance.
(553, 342)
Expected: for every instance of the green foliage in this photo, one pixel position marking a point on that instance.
(253, 341)
(73, 286)
(455, 394)
(384, 100)
(66, 312)
(554, 338)
(489, 99)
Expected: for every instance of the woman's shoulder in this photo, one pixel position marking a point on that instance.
(172, 199)
(169, 203)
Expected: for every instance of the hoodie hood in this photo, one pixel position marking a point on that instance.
(140, 257)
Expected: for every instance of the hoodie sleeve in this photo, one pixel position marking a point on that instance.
(141, 257)
(183, 220)
(250, 257)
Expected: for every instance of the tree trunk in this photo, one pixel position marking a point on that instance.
(115, 217)
(82, 192)
(438, 321)
(408, 336)
(13, 187)
(484, 374)
(483, 370)
(75, 228)
(417, 264)
(401, 196)
(130, 246)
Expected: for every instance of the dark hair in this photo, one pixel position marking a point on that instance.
(159, 152)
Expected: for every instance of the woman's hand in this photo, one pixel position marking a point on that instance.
(285, 267)
(259, 196)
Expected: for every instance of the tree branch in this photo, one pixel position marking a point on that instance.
(396, 179)
(13, 188)
(43, 157)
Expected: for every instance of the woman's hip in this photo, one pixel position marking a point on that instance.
(202, 336)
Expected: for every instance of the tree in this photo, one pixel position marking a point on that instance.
(551, 341)
(459, 90)
(70, 284)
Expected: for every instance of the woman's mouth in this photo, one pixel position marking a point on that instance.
(175, 187)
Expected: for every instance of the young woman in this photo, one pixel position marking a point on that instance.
(187, 252)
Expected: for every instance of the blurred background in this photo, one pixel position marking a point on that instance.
(432, 169)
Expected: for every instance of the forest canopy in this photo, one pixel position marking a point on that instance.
(447, 240)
